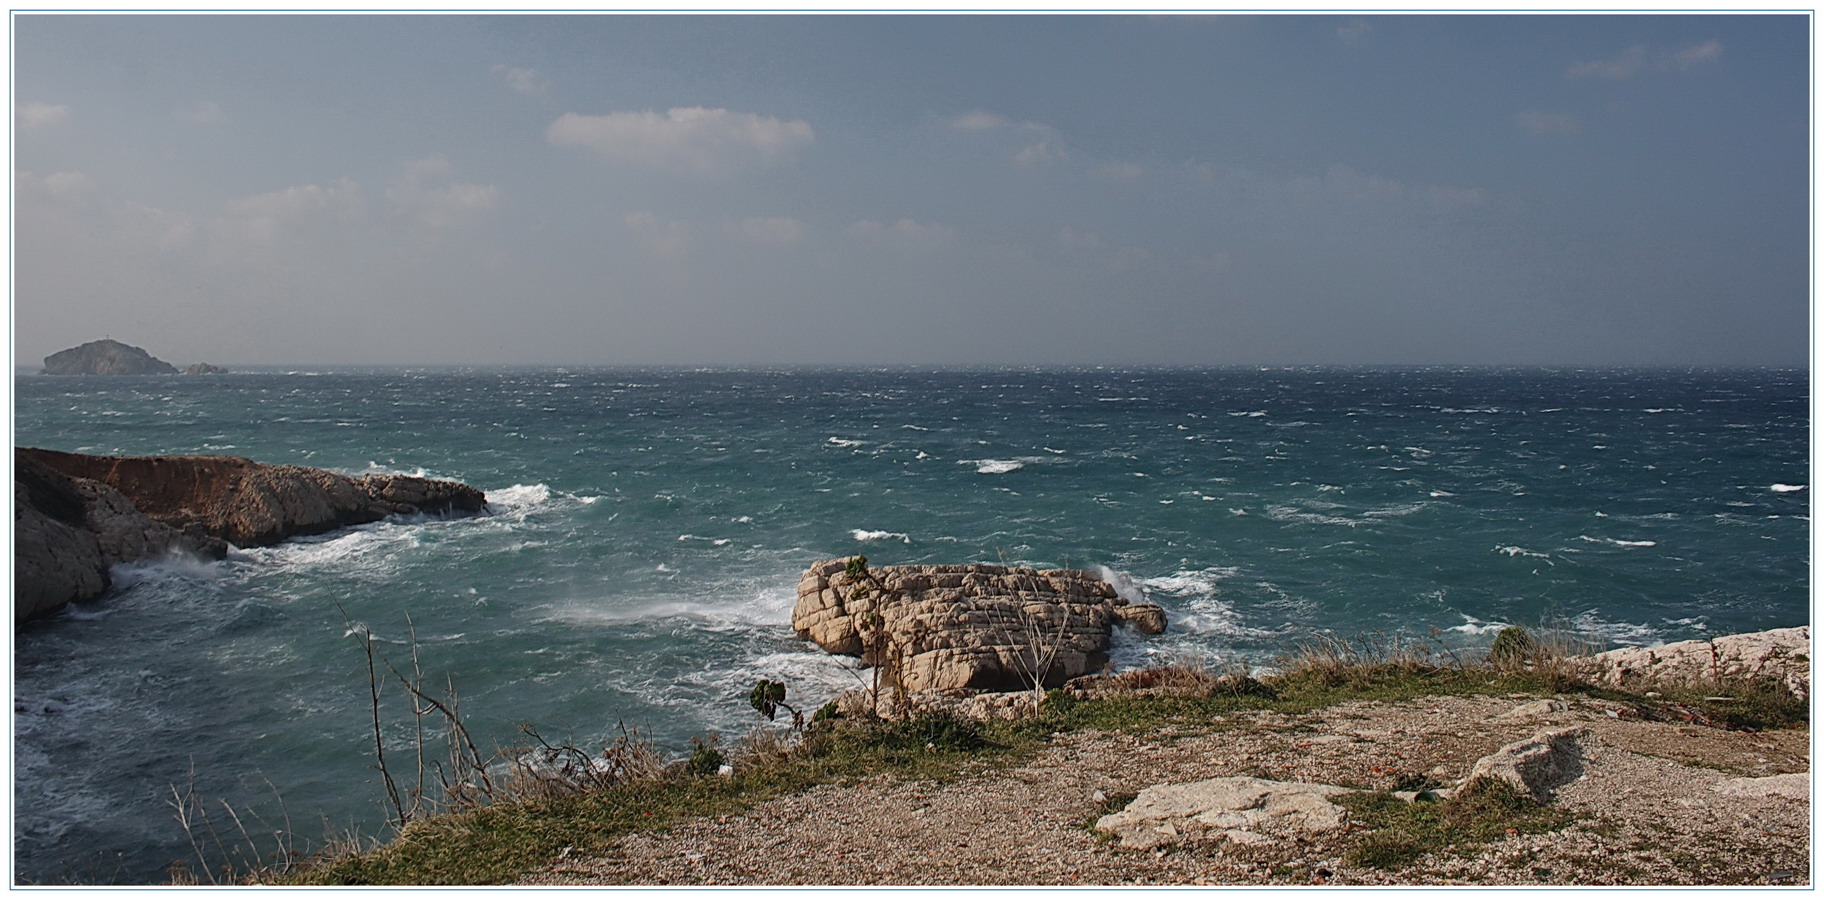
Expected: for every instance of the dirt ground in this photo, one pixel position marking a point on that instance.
(1645, 810)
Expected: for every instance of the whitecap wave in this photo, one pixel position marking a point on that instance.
(1522, 551)
(519, 497)
(1000, 466)
(864, 535)
(364, 550)
(1185, 582)
(1786, 488)
(1626, 634)
(1473, 625)
(842, 442)
(1292, 514)
(1614, 542)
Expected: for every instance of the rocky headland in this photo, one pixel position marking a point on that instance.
(76, 515)
(111, 357)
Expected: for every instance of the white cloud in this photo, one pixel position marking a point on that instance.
(36, 116)
(1634, 61)
(1539, 123)
(206, 113)
(168, 230)
(265, 218)
(1627, 65)
(1039, 154)
(980, 120)
(907, 232)
(1708, 51)
(977, 120)
(775, 232)
(438, 206)
(688, 138)
(668, 239)
(1353, 32)
(525, 81)
(66, 185)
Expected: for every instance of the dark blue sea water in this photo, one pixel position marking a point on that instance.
(648, 528)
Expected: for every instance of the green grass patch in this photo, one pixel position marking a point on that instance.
(1485, 810)
(497, 843)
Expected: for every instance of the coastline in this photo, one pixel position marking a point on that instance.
(1671, 783)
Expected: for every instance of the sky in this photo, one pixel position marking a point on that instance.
(915, 190)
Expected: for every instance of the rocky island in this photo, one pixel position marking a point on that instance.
(76, 515)
(111, 357)
(106, 357)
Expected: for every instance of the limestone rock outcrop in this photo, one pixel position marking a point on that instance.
(1243, 810)
(1538, 764)
(973, 627)
(249, 504)
(204, 369)
(106, 357)
(76, 515)
(1782, 654)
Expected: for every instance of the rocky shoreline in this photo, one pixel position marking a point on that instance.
(76, 515)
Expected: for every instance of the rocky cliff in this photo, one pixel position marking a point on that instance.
(105, 357)
(76, 515)
(977, 627)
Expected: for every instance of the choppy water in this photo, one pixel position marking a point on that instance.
(648, 528)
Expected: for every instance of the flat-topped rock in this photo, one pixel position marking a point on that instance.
(1243, 810)
(967, 628)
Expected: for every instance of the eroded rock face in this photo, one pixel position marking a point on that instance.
(204, 369)
(1243, 810)
(976, 627)
(1538, 764)
(75, 515)
(1782, 654)
(106, 357)
(54, 562)
(248, 504)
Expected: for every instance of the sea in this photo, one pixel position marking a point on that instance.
(636, 568)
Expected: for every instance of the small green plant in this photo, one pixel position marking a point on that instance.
(768, 698)
(1514, 646)
(706, 758)
(1483, 810)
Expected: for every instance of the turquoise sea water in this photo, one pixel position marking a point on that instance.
(648, 527)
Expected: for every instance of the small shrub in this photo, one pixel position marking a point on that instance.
(1514, 646)
(934, 730)
(706, 758)
(1481, 811)
(1384, 850)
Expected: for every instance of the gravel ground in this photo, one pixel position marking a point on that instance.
(1646, 810)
